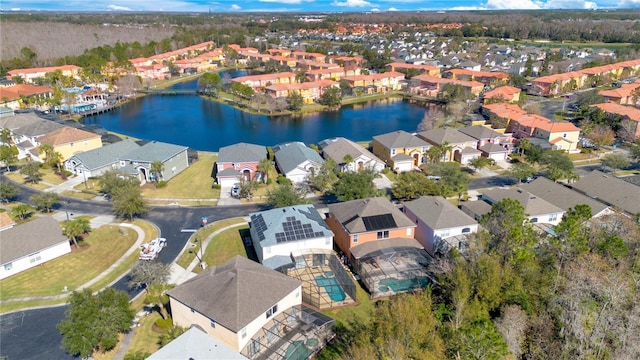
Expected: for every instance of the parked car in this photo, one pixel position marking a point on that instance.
(235, 190)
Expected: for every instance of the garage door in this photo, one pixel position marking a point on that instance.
(227, 182)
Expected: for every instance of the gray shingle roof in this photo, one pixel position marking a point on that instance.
(108, 154)
(447, 134)
(294, 154)
(398, 139)
(30, 237)
(533, 205)
(480, 132)
(229, 172)
(438, 213)
(153, 151)
(19, 120)
(562, 196)
(242, 152)
(38, 128)
(289, 224)
(492, 148)
(195, 344)
(610, 190)
(234, 293)
(341, 147)
(354, 214)
(476, 209)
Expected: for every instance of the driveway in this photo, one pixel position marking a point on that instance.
(382, 182)
(226, 198)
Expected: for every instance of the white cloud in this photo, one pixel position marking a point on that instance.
(375, 10)
(536, 4)
(466, 8)
(511, 5)
(235, 7)
(351, 3)
(628, 4)
(570, 4)
(290, 2)
(118, 8)
(392, 9)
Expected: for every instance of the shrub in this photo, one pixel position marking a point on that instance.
(269, 181)
(164, 324)
(270, 153)
(215, 186)
(67, 172)
(161, 184)
(283, 180)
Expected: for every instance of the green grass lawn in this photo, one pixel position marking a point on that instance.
(188, 255)
(100, 250)
(193, 183)
(144, 338)
(224, 246)
(349, 315)
(78, 195)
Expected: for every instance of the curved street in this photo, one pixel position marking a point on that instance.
(32, 334)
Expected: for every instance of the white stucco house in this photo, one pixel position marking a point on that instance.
(277, 233)
(439, 221)
(338, 148)
(296, 161)
(31, 244)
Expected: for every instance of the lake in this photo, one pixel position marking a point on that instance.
(208, 125)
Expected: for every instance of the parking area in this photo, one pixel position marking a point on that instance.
(226, 198)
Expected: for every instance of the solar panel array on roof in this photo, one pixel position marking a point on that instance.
(379, 222)
(258, 222)
(294, 230)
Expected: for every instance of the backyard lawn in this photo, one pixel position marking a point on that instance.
(224, 246)
(101, 249)
(193, 183)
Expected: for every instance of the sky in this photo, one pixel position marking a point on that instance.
(307, 5)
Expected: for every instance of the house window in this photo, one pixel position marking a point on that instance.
(355, 239)
(466, 230)
(86, 142)
(193, 311)
(564, 135)
(444, 234)
(33, 258)
(408, 231)
(173, 170)
(8, 267)
(534, 220)
(383, 234)
(424, 149)
(393, 151)
(213, 324)
(553, 217)
(243, 333)
(272, 311)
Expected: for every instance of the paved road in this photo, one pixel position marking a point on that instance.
(32, 334)
(491, 181)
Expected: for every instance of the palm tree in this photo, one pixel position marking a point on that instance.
(55, 159)
(47, 150)
(524, 144)
(157, 295)
(446, 149)
(434, 154)
(347, 159)
(157, 167)
(265, 166)
(74, 228)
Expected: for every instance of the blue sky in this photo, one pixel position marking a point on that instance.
(308, 5)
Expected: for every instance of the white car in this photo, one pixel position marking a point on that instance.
(235, 190)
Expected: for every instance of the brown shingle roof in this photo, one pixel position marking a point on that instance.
(66, 135)
(234, 293)
(6, 220)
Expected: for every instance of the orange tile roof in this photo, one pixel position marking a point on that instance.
(264, 77)
(612, 108)
(584, 72)
(623, 91)
(66, 135)
(475, 74)
(379, 76)
(44, 69)
(438, 80)
(326, 71)
(302, 86)
(400, 65)
(6, 220)
(506, 92)
(14, 92)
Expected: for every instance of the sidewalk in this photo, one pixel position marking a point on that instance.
(180, 274)
(135, 247)
(69, 184)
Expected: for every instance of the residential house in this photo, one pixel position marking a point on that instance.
(31, 244)
(492, 144)
(626, 94)
(564, 197)
(358, 222)
(249, 308)
(94, 163)
(440, 225)
(69, 141)
(378, 241)
(376, 83)
(610, 190)
(196, 344)
(421, 69)
(138, 162)
(12, 96)
(630, 115)
(488, 78)
(6, 222)
(400, 150)
(339, 148)
(31, 74)
(537, 209)
(26, 137)
(469, 65)
(503, 93)
(561, 135)
(264, 80)
(431, 86)
(276, 233)
(463, 146)
(309, 91)
(296, 161)
(334, 74)
(238, 161)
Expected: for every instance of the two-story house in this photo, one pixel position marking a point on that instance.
(400, 150)
(296, 161)
(463, 147)
(238, 161)
(492, 144)
(69, 141)
(340, 149)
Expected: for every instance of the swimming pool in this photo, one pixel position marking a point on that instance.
(297, 351)
(332, 287)
(401, 285)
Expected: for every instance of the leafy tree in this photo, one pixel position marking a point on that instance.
(209, 82)
(265, 166)
(128, 201)
(171, 335)
(157, 295)
(138, 355)
(326, 176)
(47, 150)
(453, 181)
(157, 168)
(331, 97)
(478, 340)
(285, 195)
(411, 185)
(8, 192)
(73, 229)
(147, 273)
(295, 101)
(45, 200)
(346, 160)
(481, 162)
(355, 185)
(558, 165)
(601, 135)
(435, 154)
(615, 161)
(22, 211)
(572, 232)
(31, 172)
(92, 323)
(55, 160)
(247, 188)
(635, 151)
(586, 98)
(521, 171)
(112, 180)
(455, 92)
(511, 235)
(8, 155)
